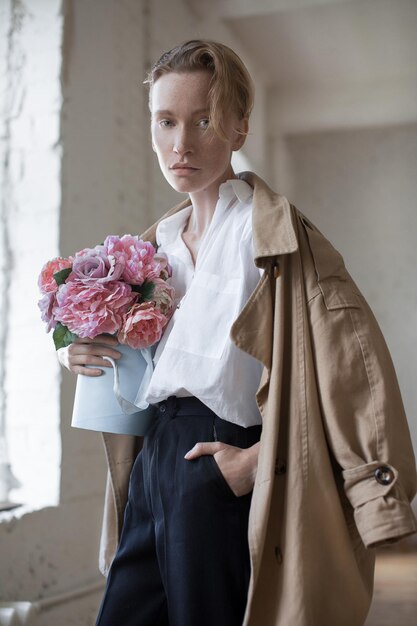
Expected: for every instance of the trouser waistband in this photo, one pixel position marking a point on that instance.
(174, 406)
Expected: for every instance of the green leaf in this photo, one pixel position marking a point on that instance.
(62, 336)
(62, 275)
(146, 290)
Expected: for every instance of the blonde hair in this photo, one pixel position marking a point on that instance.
(231, 87)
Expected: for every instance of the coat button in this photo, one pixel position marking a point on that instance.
(280, 468)
(162, 408)
(278, 554)
(384, 475)
(276, 269)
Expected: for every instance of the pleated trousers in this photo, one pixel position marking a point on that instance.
(183, 557)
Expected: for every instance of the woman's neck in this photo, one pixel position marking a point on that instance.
(204, 204)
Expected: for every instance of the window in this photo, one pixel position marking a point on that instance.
(30, 59)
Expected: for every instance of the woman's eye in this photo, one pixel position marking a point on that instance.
(165, 123)
(204, 123)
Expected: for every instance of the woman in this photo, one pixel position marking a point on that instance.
(270, 334)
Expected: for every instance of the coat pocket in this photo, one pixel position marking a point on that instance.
(338, 294)
(337, 287)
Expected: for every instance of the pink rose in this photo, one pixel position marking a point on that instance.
(94, 264)
(46, 305)
(163, 296)
(135, 254)
(142, 326)
(91, 309)
(46, 280)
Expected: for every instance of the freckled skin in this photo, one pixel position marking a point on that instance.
(181, 134)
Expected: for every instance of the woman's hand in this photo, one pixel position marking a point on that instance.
(84, 352)
(238, 465)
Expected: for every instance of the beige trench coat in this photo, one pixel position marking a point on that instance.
(336, 468)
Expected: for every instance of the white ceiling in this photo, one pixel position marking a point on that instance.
(298, 43)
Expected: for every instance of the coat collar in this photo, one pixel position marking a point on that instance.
(273, 228)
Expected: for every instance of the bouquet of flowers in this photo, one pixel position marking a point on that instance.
(119, 287)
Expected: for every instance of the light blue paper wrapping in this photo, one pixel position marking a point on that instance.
(113, 402)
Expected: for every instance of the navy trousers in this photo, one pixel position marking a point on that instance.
(183, 557)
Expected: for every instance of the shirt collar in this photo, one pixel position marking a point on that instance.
(274, 228)
(168, 229)
(236, 187)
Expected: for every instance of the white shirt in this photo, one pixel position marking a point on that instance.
(196, 356)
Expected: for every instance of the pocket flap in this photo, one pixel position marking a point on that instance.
(338, 294)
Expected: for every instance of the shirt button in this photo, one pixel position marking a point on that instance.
(162, 408)
(384, 475)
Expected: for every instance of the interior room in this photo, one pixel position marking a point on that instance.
(334, 129)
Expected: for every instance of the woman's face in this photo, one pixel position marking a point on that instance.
(191, 156)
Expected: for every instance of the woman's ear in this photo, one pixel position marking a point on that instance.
(241, 132)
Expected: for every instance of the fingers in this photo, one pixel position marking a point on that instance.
(86, 350)
(86, 371)
(83, 352)
(204, 447)
(89, 352)
(88, 359)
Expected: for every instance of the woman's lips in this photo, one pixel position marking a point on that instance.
(183, 170)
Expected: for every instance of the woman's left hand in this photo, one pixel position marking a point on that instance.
(238, 465)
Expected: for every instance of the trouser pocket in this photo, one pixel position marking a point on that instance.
(230, 434)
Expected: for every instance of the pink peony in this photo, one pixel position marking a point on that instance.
(46, 305)
(165, 268)
(46, 280)
(93, 264)
(152, 271)
(163, 296)
(142, 326)
(91, 309)
(135, 254)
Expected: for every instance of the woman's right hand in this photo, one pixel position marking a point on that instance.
(84, 352)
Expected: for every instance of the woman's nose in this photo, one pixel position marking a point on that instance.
(182, 143)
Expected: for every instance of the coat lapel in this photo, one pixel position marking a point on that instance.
(274, 234)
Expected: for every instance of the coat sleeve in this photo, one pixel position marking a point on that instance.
(361, 404)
